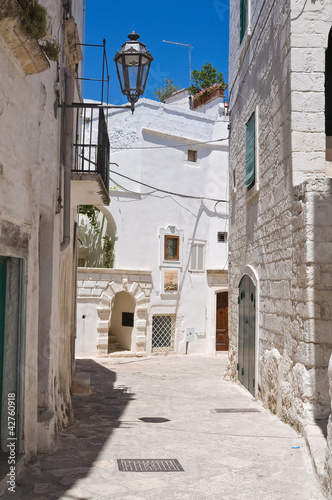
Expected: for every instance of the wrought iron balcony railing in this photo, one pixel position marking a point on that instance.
(91, 146)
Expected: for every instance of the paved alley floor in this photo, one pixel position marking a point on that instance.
(169, 408)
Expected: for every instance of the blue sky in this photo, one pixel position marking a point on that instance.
(204, 25)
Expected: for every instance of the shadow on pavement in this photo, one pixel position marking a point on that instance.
(78, 447)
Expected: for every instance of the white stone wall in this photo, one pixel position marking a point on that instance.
(95, 297)
(309, 37)
(151, 147)
(31, 229)
(282, 227)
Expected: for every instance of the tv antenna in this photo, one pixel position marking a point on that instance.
(190, 49)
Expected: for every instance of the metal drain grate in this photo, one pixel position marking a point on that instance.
(237, 410)
(141, 465)
(154, 420)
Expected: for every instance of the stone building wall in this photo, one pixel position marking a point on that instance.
(31, 234)
(96, 293)
(281, 227)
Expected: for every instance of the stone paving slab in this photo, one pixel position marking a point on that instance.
(225, 456)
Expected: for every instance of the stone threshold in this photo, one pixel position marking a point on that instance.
(317, 443)
(125, 354)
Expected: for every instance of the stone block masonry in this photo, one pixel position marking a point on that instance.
(282, 228)
(97, 289)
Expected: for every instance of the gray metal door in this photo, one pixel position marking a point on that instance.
(12, 346)
(246, 341)
(3, 281)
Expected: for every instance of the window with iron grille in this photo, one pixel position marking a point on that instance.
(222, 237)
(163, 333)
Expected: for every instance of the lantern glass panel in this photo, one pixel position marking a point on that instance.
(120, 69)
(144, 75)
(132, 73)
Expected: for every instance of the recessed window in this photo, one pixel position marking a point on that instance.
(197, 257)
(127, 319)
(243, 18)
(328, 98)
(250, 152)
(222, 237)
(171, 250)
(192, 155)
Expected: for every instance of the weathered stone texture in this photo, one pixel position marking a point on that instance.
(26, 50)
(284, 231)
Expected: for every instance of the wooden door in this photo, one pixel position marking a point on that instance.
(222, 341)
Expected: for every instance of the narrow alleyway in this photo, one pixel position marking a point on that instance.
(175, 407)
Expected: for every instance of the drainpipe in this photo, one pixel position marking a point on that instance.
(67, 158)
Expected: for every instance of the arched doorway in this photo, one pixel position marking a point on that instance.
(140, 296)
(96, 236)
(122, 322)
(247, 333)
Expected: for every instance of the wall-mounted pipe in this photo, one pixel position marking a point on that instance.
(67, 157)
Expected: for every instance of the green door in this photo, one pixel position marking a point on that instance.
(246, 341)
(3, 276)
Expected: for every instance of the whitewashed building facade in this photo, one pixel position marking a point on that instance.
(281, 212)
(168, 217)
(38, 197)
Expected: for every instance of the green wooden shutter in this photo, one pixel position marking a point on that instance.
(328, 87)
(250, 152)
(243, 18)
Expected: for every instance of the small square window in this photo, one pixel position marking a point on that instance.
(127, 319)
(222, 237)
(192, 155)
(171, 250)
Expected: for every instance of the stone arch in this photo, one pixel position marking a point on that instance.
(252, 273)
(110, 221)
(121, 329)
(91, 249)
(104, 311)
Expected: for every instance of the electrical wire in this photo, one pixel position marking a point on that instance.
(154, 188)
(168, 192)
(304, 5)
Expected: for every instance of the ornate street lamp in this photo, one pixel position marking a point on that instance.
(133, 62)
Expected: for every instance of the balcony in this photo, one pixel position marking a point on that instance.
(90, 172)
